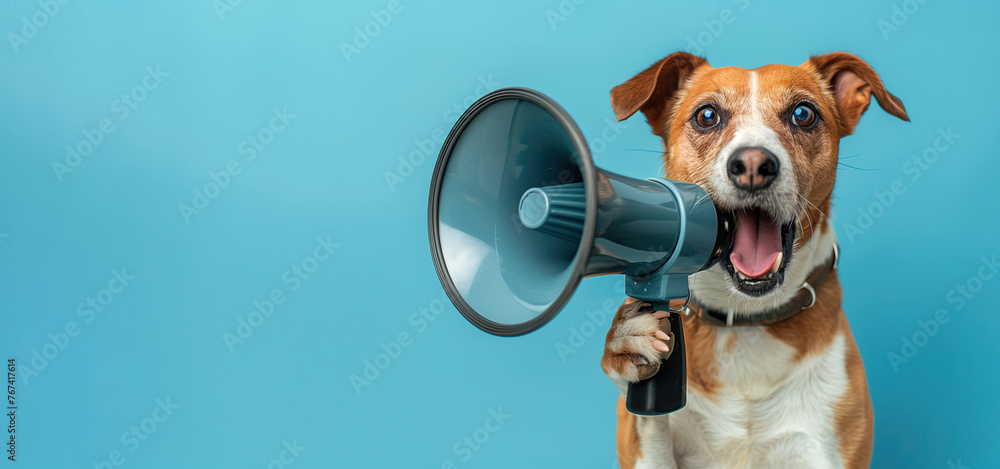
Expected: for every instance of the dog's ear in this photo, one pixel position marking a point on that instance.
(652, 91)
(852, 82)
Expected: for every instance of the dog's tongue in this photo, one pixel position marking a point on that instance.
(757, 243)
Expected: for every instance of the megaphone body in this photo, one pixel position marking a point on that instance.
(518, 214)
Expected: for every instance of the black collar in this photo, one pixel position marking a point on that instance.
(804, 299)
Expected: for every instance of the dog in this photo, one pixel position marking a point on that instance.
(775, 379)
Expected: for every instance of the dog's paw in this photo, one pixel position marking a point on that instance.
(635, 343)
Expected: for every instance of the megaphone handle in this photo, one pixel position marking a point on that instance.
(666, 391)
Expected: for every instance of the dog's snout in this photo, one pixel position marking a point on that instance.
(753, 168)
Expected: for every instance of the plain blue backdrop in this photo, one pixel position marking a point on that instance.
(257, 151)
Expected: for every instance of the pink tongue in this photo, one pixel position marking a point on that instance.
(757, 244)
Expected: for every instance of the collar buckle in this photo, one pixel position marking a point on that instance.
(812, 293)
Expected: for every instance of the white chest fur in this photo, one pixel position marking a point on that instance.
(769, 412)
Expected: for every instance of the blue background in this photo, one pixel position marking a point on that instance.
(324, 176)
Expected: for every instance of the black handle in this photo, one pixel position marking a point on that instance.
(666, 391)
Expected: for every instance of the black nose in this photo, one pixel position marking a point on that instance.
(753, 168)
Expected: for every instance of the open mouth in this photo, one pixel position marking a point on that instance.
(761, 250)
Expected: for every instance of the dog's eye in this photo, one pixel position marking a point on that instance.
(803, 115)
(706, 117)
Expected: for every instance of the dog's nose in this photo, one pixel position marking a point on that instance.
(753, 168)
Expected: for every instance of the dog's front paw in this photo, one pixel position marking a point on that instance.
(635, 343)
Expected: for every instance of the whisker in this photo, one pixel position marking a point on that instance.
(857, 168)
(828, 220)
(812, 229)
(812, 239)
(642, 150)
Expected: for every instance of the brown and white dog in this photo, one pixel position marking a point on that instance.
(764, 144)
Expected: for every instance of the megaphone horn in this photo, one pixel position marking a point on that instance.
(518, 214)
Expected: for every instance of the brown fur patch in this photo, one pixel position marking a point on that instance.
(699, 348)
(850, 83)
(853, 418)
(629, 450)
(730, 342)
(813, 330)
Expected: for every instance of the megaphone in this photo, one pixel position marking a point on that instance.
(518, 214)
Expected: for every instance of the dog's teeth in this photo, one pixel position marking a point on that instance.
(777, 263)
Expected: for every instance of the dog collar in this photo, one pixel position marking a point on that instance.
(804, 299)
